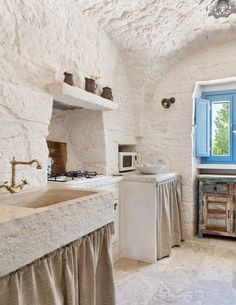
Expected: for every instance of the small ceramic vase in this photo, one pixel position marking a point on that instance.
(90, 85)
(50, 163)
(107, 93)
(68, 79)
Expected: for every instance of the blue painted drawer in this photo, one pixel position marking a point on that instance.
(216, 188)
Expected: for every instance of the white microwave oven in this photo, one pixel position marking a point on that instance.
(127, 161)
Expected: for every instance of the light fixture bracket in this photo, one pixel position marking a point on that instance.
(166, 102)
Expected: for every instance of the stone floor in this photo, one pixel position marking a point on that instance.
(200, 272)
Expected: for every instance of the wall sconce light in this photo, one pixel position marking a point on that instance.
(221, 8)
(166, 102)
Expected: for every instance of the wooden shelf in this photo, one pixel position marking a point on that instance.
(66, 97)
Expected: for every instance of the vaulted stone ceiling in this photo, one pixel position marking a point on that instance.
(152, 34)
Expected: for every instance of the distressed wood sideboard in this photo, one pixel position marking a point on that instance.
(217, 205)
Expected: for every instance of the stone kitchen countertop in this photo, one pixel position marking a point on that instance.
(150, 178)
(27, 234)
(98, 181)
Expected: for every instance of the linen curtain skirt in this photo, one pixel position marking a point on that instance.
(80, 273)
(170, 231)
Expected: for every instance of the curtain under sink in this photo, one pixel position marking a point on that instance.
(80, 273)
(170, 229)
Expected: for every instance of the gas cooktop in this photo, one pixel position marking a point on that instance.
(72, 175)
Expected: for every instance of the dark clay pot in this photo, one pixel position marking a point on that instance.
(68, 79)
(107, 93)
(90, 85)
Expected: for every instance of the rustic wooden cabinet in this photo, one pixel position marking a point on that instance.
(217, 205)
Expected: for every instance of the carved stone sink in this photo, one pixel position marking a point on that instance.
(39, 220)
(44, 197)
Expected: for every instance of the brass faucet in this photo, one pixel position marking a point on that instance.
(13, 188)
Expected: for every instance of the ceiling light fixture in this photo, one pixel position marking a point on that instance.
(221, 8)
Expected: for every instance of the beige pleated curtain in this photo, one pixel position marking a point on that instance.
(170, 230)
(80, 273)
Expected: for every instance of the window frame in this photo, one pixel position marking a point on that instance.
(225, 95)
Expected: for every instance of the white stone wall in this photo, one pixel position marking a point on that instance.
(167, 132)
(24, 117)
(83, 131)
(39, 41)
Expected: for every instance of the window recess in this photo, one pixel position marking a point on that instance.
(215, 127)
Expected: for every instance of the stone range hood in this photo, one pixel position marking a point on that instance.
(66, 97)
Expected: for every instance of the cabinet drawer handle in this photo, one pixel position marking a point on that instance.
(115, 206)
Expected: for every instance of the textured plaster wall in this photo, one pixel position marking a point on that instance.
(167, 132)
(39, 40)
(24, 117)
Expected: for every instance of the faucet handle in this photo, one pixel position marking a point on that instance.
(3, 183)
(25, 182)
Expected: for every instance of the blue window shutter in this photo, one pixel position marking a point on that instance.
(202, 136)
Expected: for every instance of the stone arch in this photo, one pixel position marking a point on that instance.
(201, 40)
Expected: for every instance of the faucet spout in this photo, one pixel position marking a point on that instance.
(14, 162)
(39, 166)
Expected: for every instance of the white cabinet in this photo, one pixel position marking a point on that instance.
(138, 220)
(115, 188)
(115, 237)
(151, 216)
